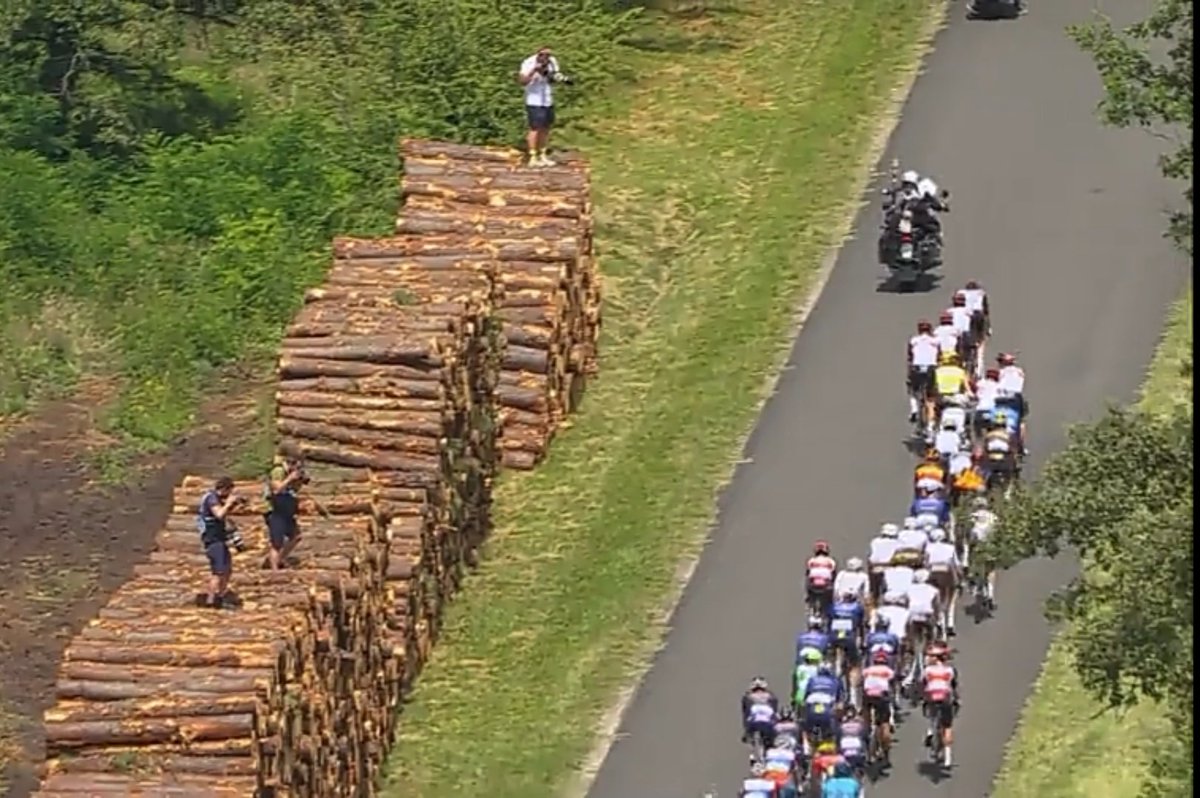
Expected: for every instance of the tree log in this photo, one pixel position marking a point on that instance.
(360, 458)
(528, 336)
(421, 222)
(401, 384)
(246, 655)
(425, 148)
(526, 359)
(519, 460)
(532, 249)
(377, 353)
(547, 207)
(429, 425)
(84, 734)
(536, 316)
(119, 691)
(413, 445)
(223, 766)
(365, 393)
(522, 398)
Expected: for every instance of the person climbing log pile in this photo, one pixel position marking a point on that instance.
(461, 201)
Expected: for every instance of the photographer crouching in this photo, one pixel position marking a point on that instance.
(217, 534)
(285, 481)
(539, 72)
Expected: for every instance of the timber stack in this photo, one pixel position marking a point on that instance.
(424, 362)
(535, 225)
(158, 696)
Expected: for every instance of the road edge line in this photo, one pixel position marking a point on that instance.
(610, 722)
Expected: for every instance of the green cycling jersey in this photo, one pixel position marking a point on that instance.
(804, 672)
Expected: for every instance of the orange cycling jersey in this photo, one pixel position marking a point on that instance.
(930, 471)
(969, 480)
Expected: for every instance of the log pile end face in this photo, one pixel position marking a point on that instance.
(424, 362)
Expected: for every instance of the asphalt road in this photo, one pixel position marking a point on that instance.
(1060, 219)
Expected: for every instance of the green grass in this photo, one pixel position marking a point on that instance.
(1065, 746)
(720, 183)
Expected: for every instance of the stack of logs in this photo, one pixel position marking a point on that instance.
(424, 362)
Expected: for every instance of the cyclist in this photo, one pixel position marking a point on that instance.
(822, 697)
(931, 508)
(998, 448)
(786, 726)
(941, 691)
(883, 548)
(951, 382)
(852, 581)
(825, 761)
(929, 474)
(756, 785)
(922, 359)
(960, 316)
(878, 678)
(981, 316)
(815, 638)
(947, 336)
(983, 521)
(895, 609)
(780, 765)
(852, 740)
(923, 599)
(847, 618)
(883, 640)
(945, 574)
(760, 708)
(805, 669)
(1012, 388)
(820, 572)
(842, 783)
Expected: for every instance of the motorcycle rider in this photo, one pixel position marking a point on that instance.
(922, 360)
(923, 196)
(760, 709)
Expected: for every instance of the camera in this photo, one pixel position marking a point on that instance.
(546, 69)
(301, 474)
(233, 537)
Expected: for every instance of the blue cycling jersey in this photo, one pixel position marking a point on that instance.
(840, 787)
(887, 641)
(817, 640)
(1009, 415)
(931, 505)
(846, 618)
(825, 683)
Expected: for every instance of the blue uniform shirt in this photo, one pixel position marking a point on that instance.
(824, 683)
(843, 787)
(931, 505)
(817, 640)
(846, 611)
(888, 641)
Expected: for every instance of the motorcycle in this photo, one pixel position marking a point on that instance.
(994, 9)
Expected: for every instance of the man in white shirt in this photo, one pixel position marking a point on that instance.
(922, 360)
(537, 74)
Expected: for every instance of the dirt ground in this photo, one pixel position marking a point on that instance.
(66, 542)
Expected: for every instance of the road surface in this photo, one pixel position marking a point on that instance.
(1061, 221)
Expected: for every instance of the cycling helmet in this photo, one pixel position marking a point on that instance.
(923, 326)
(825, 670)
(813, 657)
(927, 524)
(1006, 359)
(910, 522)
(980, 503)
(785, 741)
(937, 535)
(758, 683)
(894, 597)
(948, 359)
(849, 713)
(826, 747)
(910, 177)
(849, 597)
(938, 649)
(854, 564)
(992, 374)
(816, 622)
(972, 285)
(946, 317)
(821, 547)
(889, 531)
(959, 300)
(920, 576)
(882, 623)
(757, 769)
(881, 657)
(932, 455)
(786, 715)
(841, 770)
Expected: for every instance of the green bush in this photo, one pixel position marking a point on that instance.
(180, 173)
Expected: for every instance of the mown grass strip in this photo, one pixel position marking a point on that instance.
(1067, 745)
(721, 181)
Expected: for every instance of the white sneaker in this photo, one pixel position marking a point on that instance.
(545, 161)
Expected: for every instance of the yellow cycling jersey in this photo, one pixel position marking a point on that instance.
(949, 379)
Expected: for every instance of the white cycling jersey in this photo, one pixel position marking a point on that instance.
(850, 582)
(941, 556)
(882, 550)
(975, 297)
(898, 618)
(955, 418)
(758, 788)
(779, 759)
(914, 539)
(985, 394)
(762, 712)
(924, 348)
(921, 599)
(960, 461)
(947, 336)
(897, 579)
(1012, 380)
(962, 319)
(982, 524)
(997, 444)
(946, 442)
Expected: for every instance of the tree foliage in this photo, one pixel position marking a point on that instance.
(177, 167)
(1148, 89)
(1120, 496)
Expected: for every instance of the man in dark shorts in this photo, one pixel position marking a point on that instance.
(215, 529)
(538, 73)
(286, 479)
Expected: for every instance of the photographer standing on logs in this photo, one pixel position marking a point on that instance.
(285, 481)
(538, 74)
(217, 534)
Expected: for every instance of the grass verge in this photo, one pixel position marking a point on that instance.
(1065, 745)
(721, 180)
